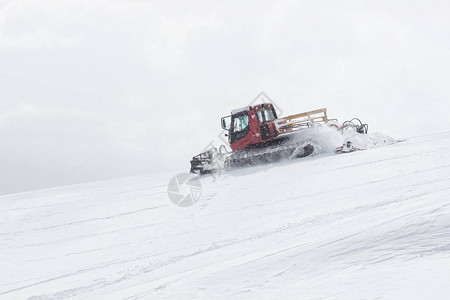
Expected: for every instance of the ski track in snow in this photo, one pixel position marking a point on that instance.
(369, 224)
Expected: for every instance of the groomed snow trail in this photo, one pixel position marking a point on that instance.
(369, 224)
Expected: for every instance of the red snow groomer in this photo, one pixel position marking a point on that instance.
(256, 135)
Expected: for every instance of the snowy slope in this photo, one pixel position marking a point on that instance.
(369, 224)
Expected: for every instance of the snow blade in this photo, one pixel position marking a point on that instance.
(201, 164)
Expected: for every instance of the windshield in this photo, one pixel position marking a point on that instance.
(268, 114)
(265, 115)
(259, 114)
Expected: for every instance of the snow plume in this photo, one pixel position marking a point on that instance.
(370, 140)
(326, 139)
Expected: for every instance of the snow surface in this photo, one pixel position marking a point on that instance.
(365, 225)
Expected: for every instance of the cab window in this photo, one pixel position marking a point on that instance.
(240, 123)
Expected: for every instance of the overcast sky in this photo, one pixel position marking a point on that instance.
(99, 89)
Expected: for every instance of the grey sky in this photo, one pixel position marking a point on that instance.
(99, 89)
